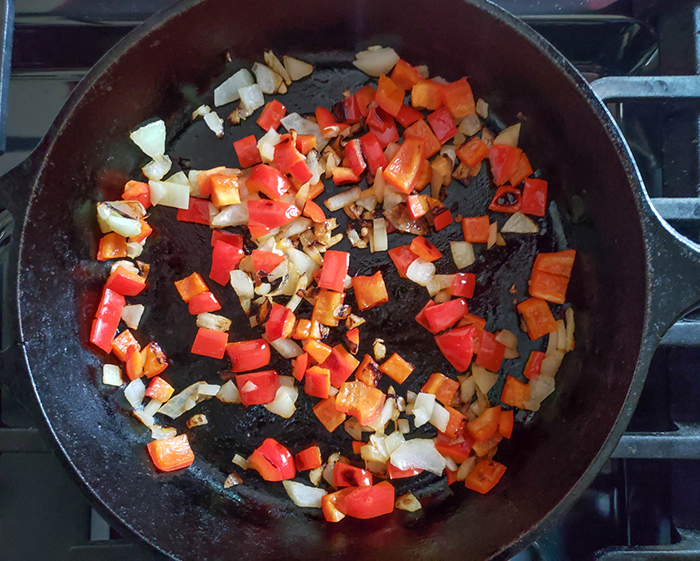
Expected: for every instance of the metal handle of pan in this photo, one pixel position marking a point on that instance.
(674, 261)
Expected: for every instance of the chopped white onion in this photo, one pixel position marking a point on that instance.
(215, 123)
(440, 417)
(240, 461)
(408, 502)
(286, 348)
(268, 80)
(267, 143)
(403, 426)
(197, 420)
(467, 389)
(368, 203)
(297, 297)
(352, 427)
(375, 450)
(185, 400)
(484, 379)
(170, 194)
(135, 392)
(303, 495)
(146, 419)
(134, 249)
(540, 388)
(213, 322)
(232, 215)
(330, 465)
(418, 453)
(152, 407)
(466, 467)
(482, 109)
(551, 364)
(376, 62)
(283, 404)
(194, 185)
(343, 199)
(381, 240)
(423, 408)
(421, 272)
(391, 198)
(132, 315)
(561, 335)
(228, 393)
(228, 91)
(451, 152)
(273, 62)
(315, 475)
(150, 139)
(296, 227)
(287, 381)
(251, 98)
(209, 390)
(382, 420)
(570, 327)
(553, 342)
(508, 338)
(297, 69)
(462, 254)
(493, 235)
(112, 375)
(296, 122)
(519, 224)
(157, 169)
(201, 111)
(470, 125)
(439, 283)
(509, 136)
(232, 479)
(127, 227)
(314, 167)
(161, 433)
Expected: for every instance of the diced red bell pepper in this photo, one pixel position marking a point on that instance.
(397, 368)
(348, 110)
(197, 212)
(373, 152)
(228, 237)
(125, 282)
(210, 343)
(420, 129)
(383, 126)
(345, 475)
(442, 220)
(405, 75)
(328, 415)
(443, 388)
(479, 325)
(159, 390)
(548, 286)
(402, 256)
(485, 425)
(170, 454)
(317, 382)
(287, 159)
(425, 174)
(334, 270)
(370, 291)
(515, 393)
(327, 123)
(224, 259)
(458, 98)
(360, 400)
(299, 366)
(505, 424)
(134, 364)
(112, 246)
(389, 96)
(341, 365)
(191, 286)
(266, 261)
(507, 199)
(491, 352)
(271, 115)
(225, 189)
(352, 337)
(146, 231)
(417, 205)
(484, 476)
(109, 312)
(272, 461)
(425, 249)
(122, 343)
(473, 152)
(258, 388)
(538, 317)
(445, 315)
(317, 350)
(533, 368)
(155, 360)
(264, 215)
(268, 180)
(205, 179)
(534, 200)
(457, 423)
(405, 165)
(364, 97)
(442, 124)
(504, 162)
(522, 171)
(420, 316)
(137, 191)
(463, 285)
(427, 94)
(248, 355)
(369, 502)
(476, 229)
(458, 449)
(395, 473)
(559, 263)
(247, 151)
(306, 143)
(203, 303)
(314, 211)
(353, 152)
(309, 458)
(330, 502)
(457, 346)
(280, 323)
(344, 176)
(408, 115)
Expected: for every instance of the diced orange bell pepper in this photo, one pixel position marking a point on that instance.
(112, 246)
(155, 360)
(306, 143)
(515, 393)
(368, 372)
(122, 343)
(488, 447)
(405, 75)
(458, 98)
(473, 152)
(523, 170)
(360, 400)
(317, 382)
(307, 329)
(443, 388)
(476, 229)
(427, 94)
(170, 454)
(191, 286)
(484, 476)
(420, 129)
(397, 368)
(548, 286)
(538, 317)
(425, 249)
(328, 415)
(134, 363)
(224, 189)
(352, 339)
(317, 350)
(457, 425)
(327, 307)
(559, 263)
(341, 365)
(505, 424)
(405, 165)
(329, 504)
(389, 96)
(309, 458)
(137, 191)
(370, 291)
(485, 425)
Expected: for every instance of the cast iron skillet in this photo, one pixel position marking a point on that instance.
(632, 279)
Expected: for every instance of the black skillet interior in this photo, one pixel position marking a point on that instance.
(165, 75)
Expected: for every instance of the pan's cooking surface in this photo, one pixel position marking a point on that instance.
(187, 514)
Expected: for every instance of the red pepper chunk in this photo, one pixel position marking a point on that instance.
(424, 249)
(247, 151)
(442, 220)
(549, 287)
(522, 171)
(420, 129)
(122, 344)
(170, 454)
(504, 162)
(353, 152)
(125, 282)
(442, 124)
(405, 75)
(280, 323)
(420, 316)
(345, 475)
(344, 176)
(268, 180)
(559, 263)
(231, 239)
(349, 110)
(341, 365)
(299, 366)
(458, 98)
(225, 189)
(389, 96)
(271, 115)
(205, 179)
(306, 143)
(402, 257)
(395, 473)
(248, 355)
(463, 285)
(515, 393)
(203, 303)
(224, 259)
(373, 152)
(309, 458)
(134, 364)
(330, 504)
(476, 229)
(383, 126)
(485, 425)
(266, 261)
(360, 400)
(443, 388)
(538, 317)
(473, 152)
(197, 212)
(191, 286)
(314, 212)
(403, 169)
(334, 270)
(408, 115)
(109, 312)
(317, 382)
(364, 97)
(456, 448)
(264, 215)
(137, 191)
(155, 360)
(159, 390)
(112, 246)
(272, 461)
(505, 424)
(328, 415)
(484, 476)
(287, 159)
(491, 352)
(368, 502)
(534, 200)
(507, 199)
(417, 205)
(327, 123)
(370, 291)
(258, 388)
(443, 316)
(427, 94)
(210, 343)
(457, 346)
(533, 368)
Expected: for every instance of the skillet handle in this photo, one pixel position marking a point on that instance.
(674, 261)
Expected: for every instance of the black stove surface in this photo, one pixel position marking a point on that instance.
(646, 501)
